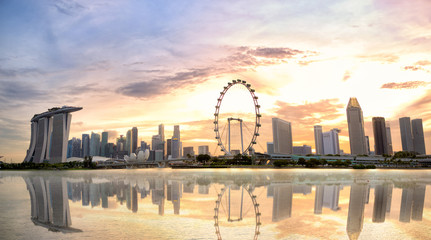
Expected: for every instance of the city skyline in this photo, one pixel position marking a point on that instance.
(167, 64)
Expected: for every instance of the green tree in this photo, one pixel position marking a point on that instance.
(203, 158)
(301, 161)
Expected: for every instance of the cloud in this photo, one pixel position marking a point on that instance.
(413, 68)
(381, 57)
(241, 59)
(276, 53)
(72, 90)
(134, 63)
(70, 8)
(420, 105)
(419, 65)
(346, 76)
(303, 117)
(423, 63)
(405, 85)
(100, 65)
(14, 91)
(21, 72)
(164, 85)
(80, 123)
(8, 129)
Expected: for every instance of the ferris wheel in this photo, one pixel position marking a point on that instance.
(257, 117)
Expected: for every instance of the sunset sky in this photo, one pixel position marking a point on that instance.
(142, 63)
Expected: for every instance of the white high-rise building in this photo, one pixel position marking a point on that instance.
(282, 136)
(318, 139)
(330, 142)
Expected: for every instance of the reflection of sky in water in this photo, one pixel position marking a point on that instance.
(181, 204)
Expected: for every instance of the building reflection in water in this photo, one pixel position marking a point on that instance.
(355, 217)
(50, 197)
(382, 194)
(49, 203)
(282, 202)
(326, 196)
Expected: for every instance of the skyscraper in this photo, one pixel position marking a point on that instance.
(380, 141)
(188, 150)
(76, 147)
(103, 144)
(69, 148)
(270, 147)
(177, 131)
(418, 136)
(168, 148)
(162, 135)
(318, 139)
(406, 134)
(282, 136)
(134, 139)
(156, 142)
(121, 143)
(85, 145)
(367, 141)
(95, 144)
(355, 121)
(128, 142)
(144, 146)
(302, 150)
(331, 143)
(203, 150)
(175, 148)
(389, 138)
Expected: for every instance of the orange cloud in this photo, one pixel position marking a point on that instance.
(310, 113)
(381, 57)
(405, 85)
(347, 76)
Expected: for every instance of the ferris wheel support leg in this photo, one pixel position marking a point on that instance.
(242, 145)
(229, 133)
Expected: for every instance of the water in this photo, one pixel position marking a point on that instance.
(216, 204)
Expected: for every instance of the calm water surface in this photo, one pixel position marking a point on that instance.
(216, 204)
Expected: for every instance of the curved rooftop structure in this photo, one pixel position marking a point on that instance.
(49, 135)
(55, 110)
